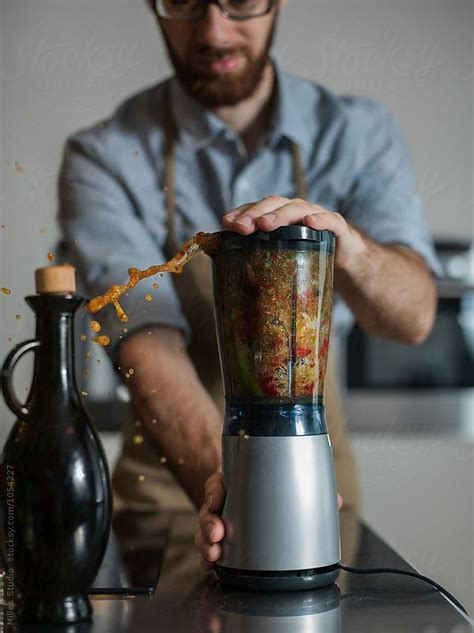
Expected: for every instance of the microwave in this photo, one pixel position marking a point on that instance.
(446, 358)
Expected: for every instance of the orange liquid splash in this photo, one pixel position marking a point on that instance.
(201, 242)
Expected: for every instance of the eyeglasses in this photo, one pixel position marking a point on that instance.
(190, 10)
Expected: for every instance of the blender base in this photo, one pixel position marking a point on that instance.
(277, 580)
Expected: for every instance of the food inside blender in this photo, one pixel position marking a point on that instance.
(273, 310)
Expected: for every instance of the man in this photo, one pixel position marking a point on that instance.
(232, 132)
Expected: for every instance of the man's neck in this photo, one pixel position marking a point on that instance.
(249, 117)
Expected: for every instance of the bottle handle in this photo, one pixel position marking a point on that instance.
(11, 360)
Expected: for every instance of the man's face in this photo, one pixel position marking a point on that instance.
(220, 61)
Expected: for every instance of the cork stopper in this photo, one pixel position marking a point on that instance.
(56, 280)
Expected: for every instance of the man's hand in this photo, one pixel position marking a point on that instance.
(211, 527)
(275, 211)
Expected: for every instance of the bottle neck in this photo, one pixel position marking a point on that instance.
(54, 371)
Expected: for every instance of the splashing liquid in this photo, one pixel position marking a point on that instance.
(201, 242)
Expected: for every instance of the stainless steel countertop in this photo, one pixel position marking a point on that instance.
(188, 600)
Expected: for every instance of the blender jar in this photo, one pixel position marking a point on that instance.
(273, 298)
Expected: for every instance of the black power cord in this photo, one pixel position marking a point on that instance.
(401, 572)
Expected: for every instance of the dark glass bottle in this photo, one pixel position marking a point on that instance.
(56, 500)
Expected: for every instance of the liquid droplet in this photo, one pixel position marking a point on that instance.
(101, 340)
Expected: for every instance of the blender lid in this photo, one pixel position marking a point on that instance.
(291, 232)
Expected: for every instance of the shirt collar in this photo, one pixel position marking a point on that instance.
(198, 126)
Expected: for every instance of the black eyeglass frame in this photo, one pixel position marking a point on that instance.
(204, 6)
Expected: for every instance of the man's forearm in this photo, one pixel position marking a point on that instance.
(388, 288)
(178, 414)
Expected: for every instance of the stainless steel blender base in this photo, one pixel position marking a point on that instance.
(281, 516)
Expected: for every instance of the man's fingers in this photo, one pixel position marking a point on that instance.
(211, 525)
(214, 493)
(291, 213)
(210, 522)
(215, 530)
(209, 551)
(275, 211)
(326, 221)
(339, 501)
(231, 216)
(243, 218)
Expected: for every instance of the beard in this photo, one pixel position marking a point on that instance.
(211, 89)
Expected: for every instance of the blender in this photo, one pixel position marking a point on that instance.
(273, 299)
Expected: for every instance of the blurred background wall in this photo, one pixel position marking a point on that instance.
(65, 64)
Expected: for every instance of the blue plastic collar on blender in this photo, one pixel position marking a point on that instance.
(270, 419)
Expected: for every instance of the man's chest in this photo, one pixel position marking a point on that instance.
(209, 183)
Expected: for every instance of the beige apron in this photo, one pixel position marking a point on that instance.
(140, 482)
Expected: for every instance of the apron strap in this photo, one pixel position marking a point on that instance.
(298, 172)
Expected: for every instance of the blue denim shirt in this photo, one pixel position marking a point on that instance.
(111, 189)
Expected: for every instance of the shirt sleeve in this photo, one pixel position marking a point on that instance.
(383, 201)
(104, 237)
